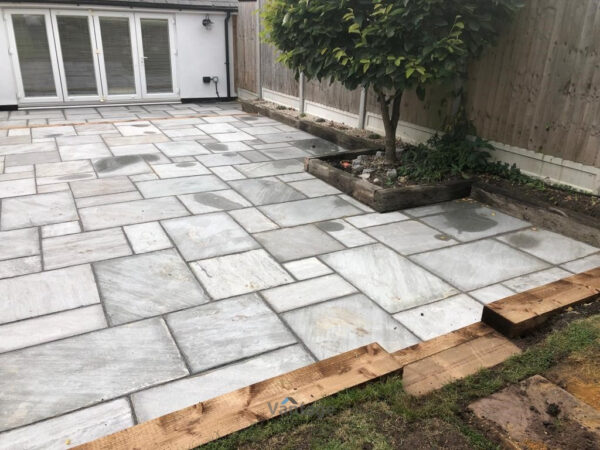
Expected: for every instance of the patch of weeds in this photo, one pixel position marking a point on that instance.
(374, 136)
(281, 107)
(302, 115)
(320, 120)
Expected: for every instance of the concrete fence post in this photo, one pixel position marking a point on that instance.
(301, 84)
(362, 109)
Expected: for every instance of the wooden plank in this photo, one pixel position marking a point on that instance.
(436, 345)
(209, 420)
(433, 372)
(520, 313)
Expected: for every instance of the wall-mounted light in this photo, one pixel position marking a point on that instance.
(207, 22)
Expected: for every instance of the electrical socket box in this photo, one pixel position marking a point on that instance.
(207, 79)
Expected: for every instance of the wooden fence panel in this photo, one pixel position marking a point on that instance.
(334, 95)
(246, 46)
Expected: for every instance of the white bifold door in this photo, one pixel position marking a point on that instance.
(89, 57)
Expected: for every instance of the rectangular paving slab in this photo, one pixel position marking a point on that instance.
(263, 191)
(39, 209)
(310, 210)
(19, 243)
(129, 213)
(47, 292)
(103, 186)
(227, 331)
(59, 377)
(141, 286)
(178, 186)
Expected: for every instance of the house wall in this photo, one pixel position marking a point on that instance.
(200, 50)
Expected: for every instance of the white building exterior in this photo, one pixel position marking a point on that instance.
(95, 52)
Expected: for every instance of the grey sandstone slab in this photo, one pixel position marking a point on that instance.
(14, 188)
(222, 159)
(469, 224)
(31, 158)
(227, 147)
(86, 202)
(20, 266)
(179, 186)
(438, 318)
(123, 165)
(63, 168)
(389, 279)
(310, 210)
(206, 202)
(161, 400)
(60, 229)
(270, 168)
(39, 209)
(345, 233)
(304, 269)
(410, 236)
(38, 330)
(147, 237)
(314, 188)
(231, 275)
(491, 293)
(180, 169)
(263, 191)
(526, 282)
(47, 292)
(285, 153)
(478, 264)
(14, 149)
(583, 264)
(317, 147)
(374, 219)
(295, 243)
(227, 173)
(141, 286)
(227, 331)
(83, 151)
(182, 148)
(208, 235)
(291, 136)
(337, 326)
(103, 186)
(128, 213)
(81, 248)
(304, 293)
(441, 208)
(19, 243)
(76, 428)
(549, 246)
(252, 220)
(136, 128)
(59, 377)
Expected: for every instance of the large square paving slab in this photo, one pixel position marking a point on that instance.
(208, 235)
(215, 334)
(477, 264)
(410, 236)
(142, 286)
(263, 191)
(310, 210)
(341, 325)
(62, 376)
(389, 279)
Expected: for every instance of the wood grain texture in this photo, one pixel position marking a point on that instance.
(520, 313)
(209, 420)
(246, 46)
(433, 372)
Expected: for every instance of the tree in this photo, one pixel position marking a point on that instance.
(387, 45)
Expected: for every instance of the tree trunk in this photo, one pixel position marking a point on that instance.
(390, 122)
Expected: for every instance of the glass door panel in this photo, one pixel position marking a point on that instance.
(33, 56)
(76, 49)
(156, 49)
(116, 38)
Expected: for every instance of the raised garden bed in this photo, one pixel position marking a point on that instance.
(383, 199)
(533, 206)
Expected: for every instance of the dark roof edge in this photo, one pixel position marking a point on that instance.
(136, 4)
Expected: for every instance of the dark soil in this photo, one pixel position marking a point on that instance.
(561, 198)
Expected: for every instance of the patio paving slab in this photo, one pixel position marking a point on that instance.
(206, 202)
(147, 237)
(227, 331)
(410, 236)
(583, 264)
(20, 266)
(81, 248)
(491, 293)
(208, 235)
(38, 209)
(549, 246)
(155, 402)
(252, 220)
(285, 153)
(83, 151)
(526, 282)
(47, 292)
(304, 293)
(241, 273)
(182, 148)
(224, 159)
(304, 269)
(345, 233)
(19, 243)
(141, 286)
(295, 243)
(103, 186)
(314, 188)
(270, 168)
(60, 229)
(122, 165)
(373, 219)
(14, 188)
(181, 169)
(468, 224)
(179, 186)
(76, 428)
(129, 213)
(38, 330)
(389, 279)
(59, 377)
(107, 199)
(344, 324)
(301, 212)
(438, 318)
(263, 191)
(478, 264)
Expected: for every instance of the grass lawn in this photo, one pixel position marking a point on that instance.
(381, 415)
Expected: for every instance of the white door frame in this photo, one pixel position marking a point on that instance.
(21, 97)
(134, 54)
(141, 58)
(93, 46)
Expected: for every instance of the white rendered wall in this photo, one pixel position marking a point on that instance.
(8, 87)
